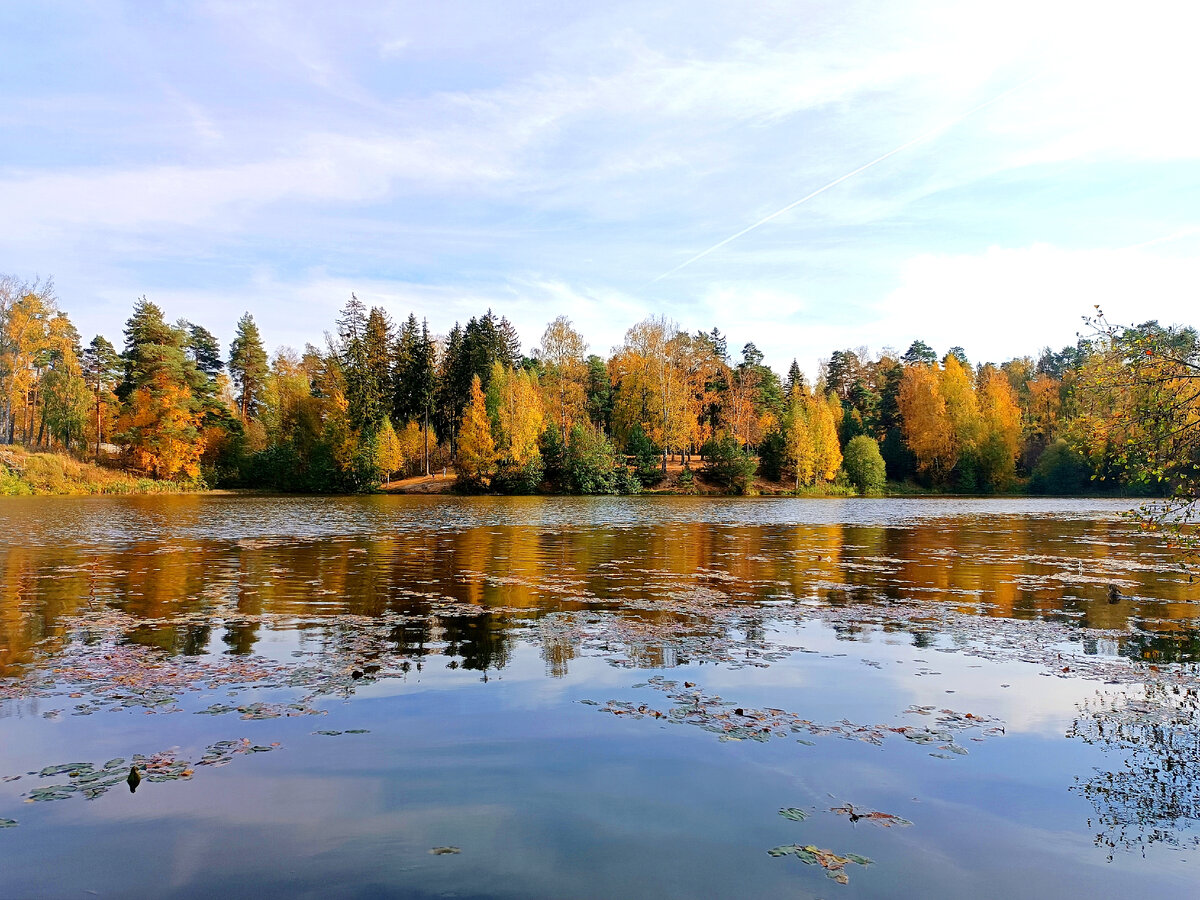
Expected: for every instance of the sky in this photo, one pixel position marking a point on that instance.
(1010, 166)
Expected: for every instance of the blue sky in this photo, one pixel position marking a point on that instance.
(549, 158)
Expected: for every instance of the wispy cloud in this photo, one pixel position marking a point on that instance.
(546, 160)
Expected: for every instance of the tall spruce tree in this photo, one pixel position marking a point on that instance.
(374, 398)
(248, 366)
(414, 380)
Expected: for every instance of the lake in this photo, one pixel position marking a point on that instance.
(594, 697)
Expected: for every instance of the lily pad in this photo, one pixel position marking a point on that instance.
(811, 855)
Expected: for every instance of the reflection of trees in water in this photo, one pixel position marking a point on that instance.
(480, 642)
(1163, 646)
(1154, 796)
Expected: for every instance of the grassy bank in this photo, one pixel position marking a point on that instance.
(24, 473)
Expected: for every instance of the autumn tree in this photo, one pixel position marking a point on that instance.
(650, 386)
(1000, 431)
(799, 453)
(562, 354)
(928, 430)
(476, 460)
(160, 415)
(1140, 419)
(29, 309)
(827, 452)
(64, 395)
(389, 450)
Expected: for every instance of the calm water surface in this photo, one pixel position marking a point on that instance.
(593, 698)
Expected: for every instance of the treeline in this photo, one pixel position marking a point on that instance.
(381, 400)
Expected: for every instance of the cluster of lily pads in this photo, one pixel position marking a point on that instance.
(833, 863)
(89, 780)
(730, 722)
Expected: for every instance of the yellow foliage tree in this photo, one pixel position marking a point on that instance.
(827, 452)
(1000, 417)
(519, 413)
(799, 452)
(162, 427)
(389, 452)
(563, 352)
(1045, 405)
(961, 405)
(651, 382)
(476, 446)
(412, 444)
(928, 430)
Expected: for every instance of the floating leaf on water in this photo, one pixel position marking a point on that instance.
(884, 820)
(64, 768)
(794, 814)
(54, 792)
(811, 855)
(442, 851)
(8, 823)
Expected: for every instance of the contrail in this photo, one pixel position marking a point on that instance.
(1178, 235)
(779, 212)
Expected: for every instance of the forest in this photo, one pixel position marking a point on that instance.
(1116, 412)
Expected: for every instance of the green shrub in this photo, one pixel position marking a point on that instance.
(727, 465)
(864, 464)
(592, 466)
(1060, 470)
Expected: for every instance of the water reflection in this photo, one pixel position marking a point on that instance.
(1024, 568)
(1152, 794)
(274, 611)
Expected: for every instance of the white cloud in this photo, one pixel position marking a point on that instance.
(1009, 301)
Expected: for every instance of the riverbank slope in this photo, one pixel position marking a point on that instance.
(24, 472)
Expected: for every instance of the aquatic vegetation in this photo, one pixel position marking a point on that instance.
(90, 781)
(874, 816)
(712, 713)
(281, 628)
(811, 855)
